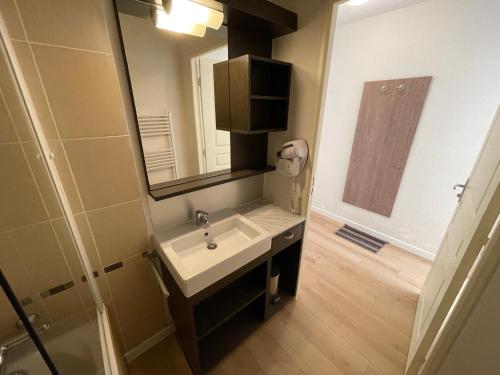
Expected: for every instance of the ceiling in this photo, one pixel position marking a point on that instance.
(348, 13)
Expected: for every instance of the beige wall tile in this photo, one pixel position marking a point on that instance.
(25, 58)
(12, 20)
(85, 293)
(70, 252)
(104, 170)
(42, 177)
(64, 172)
(14, 270)
(19, 198)
(83, 91)
(3, 225)
(39, 251)
(137, 299)
(7, 132)
(36, 307)
(13, 103)
(40, 171)
(8, 318)
(120, 231)
(72, 23)
(63, 305)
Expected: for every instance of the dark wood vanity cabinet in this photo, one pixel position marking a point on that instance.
(215, 320)
(253, 93)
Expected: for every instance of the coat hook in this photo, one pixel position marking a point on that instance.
(383, 89)
(401, 87)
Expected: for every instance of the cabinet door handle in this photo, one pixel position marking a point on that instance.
(289, 235)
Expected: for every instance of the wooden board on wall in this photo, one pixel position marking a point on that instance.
(387, 121)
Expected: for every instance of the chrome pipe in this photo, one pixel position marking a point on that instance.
(15, 341)
(3, 359)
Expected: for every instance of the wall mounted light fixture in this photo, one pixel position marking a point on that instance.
(194, 12)
(185, 16)
(165, 21)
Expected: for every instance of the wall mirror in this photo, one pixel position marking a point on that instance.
(171, 78)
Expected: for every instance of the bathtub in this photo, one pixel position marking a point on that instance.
(78, 346)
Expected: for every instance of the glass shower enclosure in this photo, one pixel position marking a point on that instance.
(51, 309)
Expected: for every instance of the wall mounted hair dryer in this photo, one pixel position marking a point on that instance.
(292, 157)
(291, 160)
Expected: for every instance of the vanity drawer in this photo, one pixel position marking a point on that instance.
(288, 237)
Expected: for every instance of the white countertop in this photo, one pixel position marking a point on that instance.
(266, 215)
(269, 216)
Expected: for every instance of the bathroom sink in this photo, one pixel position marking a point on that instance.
(200, 256)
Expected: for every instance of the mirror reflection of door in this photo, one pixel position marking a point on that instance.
(213, 145)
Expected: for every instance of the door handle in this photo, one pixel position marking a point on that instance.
(460, 186)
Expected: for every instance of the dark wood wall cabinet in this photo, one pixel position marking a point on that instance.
(215, 320)
(255, 100)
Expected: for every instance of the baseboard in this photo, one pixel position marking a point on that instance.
(401, 244)
(149, 343)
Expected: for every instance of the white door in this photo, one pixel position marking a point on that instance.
(460, 246)
(217, 143)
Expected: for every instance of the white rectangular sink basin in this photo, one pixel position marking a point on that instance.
(194, 266)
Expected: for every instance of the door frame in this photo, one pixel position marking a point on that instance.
(197, 102)
(446, 332)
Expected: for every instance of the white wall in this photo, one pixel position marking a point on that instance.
(155, 61)
(458, 43)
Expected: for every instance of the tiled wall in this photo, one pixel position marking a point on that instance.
(65, 55)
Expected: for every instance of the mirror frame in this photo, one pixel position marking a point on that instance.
(270, 21)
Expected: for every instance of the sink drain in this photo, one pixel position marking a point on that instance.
(211, 246)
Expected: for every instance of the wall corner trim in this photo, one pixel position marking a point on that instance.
(149, 343)
(394, 241)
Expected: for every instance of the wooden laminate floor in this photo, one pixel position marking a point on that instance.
(353, 315)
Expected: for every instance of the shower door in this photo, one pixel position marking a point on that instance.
(41, 244)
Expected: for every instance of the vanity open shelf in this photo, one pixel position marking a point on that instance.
(215, 346)
(212, 312)
(212, 322)
(287, 259)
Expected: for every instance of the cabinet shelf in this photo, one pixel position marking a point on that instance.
(252, 94)
(285, 296)
(268, 97)
(227, 310)
(212, 312)
(217, 344)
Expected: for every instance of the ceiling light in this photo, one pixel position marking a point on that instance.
(356, 2)
(166, 21)
(194, 13)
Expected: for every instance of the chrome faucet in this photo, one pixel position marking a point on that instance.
(201, 218)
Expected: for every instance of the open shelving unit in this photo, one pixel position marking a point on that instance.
(214, 346)
(214, 311)
(258, 98)
(288, 261)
